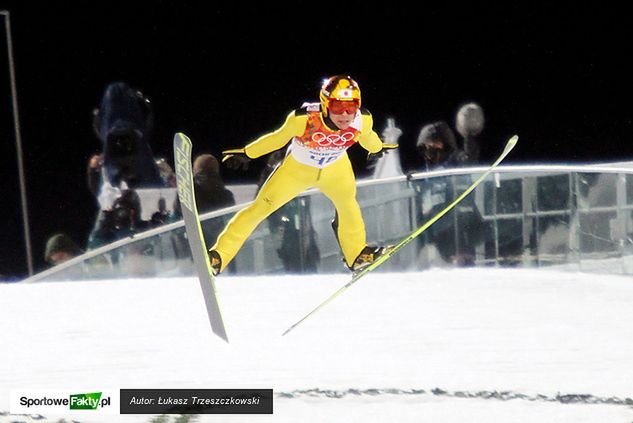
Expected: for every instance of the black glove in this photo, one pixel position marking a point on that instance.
(236, 159)
(372, 158)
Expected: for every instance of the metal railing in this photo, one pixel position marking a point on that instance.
(574, 217)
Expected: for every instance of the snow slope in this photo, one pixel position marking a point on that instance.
(475, 345)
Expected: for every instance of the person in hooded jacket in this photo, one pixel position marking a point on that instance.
(437, 145)
(60, 248)
(123, 122)
(456, 234)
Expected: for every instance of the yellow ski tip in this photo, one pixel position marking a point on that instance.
(181, 135)
(512, 142)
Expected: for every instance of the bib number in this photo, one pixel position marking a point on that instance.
(322, 161)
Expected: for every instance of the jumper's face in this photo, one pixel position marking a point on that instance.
(342, 113)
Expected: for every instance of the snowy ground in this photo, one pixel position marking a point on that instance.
(476, 345)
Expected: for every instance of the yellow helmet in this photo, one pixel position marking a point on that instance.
(339, 87)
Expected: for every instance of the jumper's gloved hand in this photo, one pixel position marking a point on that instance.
(236, 159)
(372, 158)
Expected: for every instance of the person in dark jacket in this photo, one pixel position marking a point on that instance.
(438, 147)
(123, 123)
(456, 234)
(60, 248)
(211, 193)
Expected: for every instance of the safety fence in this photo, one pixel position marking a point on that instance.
(572, 217)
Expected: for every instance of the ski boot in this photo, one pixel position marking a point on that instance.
(366, 257)
(216, 262)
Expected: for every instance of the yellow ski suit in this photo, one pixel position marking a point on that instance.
(316, 158)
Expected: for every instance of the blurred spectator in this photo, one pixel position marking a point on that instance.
(106, 194)
(437, 145)
(60, 248)
(161, 216)
(211, 193)
(123, 122)
(121, 221)
(469, 123)
(167, 174)
(456, 234)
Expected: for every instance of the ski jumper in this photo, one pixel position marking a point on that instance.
(316, 158)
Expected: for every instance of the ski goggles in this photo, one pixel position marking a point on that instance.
(339, 107)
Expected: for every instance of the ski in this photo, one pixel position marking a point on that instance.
(184, 177)
(383, 258)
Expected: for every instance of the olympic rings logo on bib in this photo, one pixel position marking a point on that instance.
(338, 140)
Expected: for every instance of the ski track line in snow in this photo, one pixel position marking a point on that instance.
(488, 395)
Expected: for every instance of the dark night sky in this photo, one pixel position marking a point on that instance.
(559, 77)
